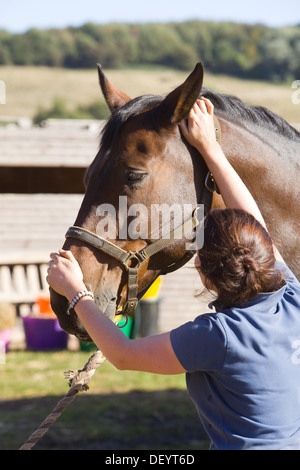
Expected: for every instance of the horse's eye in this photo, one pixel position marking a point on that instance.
(135, 176)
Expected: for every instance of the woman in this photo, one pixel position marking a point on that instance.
(242, 361)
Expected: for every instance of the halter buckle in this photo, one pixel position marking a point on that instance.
(210, 183)
(135, 261)
(136, 258)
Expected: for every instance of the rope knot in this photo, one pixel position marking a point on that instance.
(78, 382)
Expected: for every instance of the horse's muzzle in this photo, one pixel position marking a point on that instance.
(68, 319)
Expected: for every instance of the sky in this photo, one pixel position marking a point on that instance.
(20, 15)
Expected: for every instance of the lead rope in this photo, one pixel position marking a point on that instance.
(78, 382)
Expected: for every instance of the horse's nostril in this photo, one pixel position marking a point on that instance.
(110, 309)
(83, 338)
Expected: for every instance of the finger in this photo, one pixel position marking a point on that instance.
(54, 256)
(209, 105)
(193, 113)
(196, 105)
(202, 106)
(67, 254)
(198, 108)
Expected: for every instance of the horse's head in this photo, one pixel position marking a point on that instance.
(143, 166)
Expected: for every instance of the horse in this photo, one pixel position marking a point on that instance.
(144, 158)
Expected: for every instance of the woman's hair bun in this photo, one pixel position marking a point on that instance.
(242, 256)
(237, 257)
(240, 250)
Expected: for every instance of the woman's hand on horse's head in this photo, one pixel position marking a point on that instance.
(198, 128)
(64, 274)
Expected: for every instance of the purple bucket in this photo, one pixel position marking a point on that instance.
(44, 334)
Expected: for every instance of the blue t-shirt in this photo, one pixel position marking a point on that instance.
(243, 370)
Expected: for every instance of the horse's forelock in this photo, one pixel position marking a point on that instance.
(113, 126)
(121, 116)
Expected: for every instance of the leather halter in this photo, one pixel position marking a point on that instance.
(131, 260)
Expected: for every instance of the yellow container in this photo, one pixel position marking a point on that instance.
(153, 291)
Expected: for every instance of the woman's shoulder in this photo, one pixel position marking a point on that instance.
(200, 344)
(287, 273)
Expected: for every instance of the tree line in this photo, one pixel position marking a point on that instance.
(252, 51)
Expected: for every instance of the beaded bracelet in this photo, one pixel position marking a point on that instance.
(79, 295)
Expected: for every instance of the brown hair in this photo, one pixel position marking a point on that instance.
(237, 257)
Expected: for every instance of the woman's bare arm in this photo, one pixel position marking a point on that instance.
(151, 354)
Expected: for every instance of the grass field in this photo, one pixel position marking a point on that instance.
(28, 88)
(122, 410)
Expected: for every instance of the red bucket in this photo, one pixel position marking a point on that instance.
(43, 334)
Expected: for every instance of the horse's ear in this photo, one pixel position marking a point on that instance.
(114, 97)
(177, 105)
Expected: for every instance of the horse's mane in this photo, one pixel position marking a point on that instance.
(230, 107)
(236, 110)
